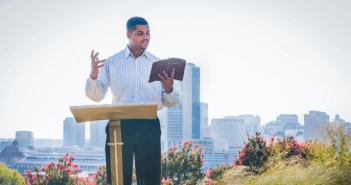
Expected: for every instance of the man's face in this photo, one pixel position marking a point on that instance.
(140, 37)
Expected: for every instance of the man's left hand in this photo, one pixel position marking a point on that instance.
(168, 82)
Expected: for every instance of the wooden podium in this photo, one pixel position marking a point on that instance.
(114, 113)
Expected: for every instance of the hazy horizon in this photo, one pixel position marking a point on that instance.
(263, 58)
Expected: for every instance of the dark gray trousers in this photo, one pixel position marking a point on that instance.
(143, 138)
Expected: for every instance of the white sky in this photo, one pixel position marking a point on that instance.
(256, 57)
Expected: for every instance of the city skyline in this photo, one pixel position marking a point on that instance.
(259, 58)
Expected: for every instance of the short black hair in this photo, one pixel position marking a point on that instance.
(132, 22)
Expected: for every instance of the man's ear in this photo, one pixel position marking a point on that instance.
(128, 35)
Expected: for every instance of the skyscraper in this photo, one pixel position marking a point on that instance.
(231, 128)
(25, 139)
(291, 121)
(203, 113)
(274, 127)
(183, 120)
(73, 133)
(313, 122)
(97, 133)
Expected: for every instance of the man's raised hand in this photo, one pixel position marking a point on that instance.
(95, 65)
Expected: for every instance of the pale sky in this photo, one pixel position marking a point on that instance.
(258, 57)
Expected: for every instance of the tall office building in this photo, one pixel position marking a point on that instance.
(313, 122)
(97, 133)
(73, 133)
(291, 121)
(205, 131)
(183, 120)
(274, 127)
(252, 123)
(231, 128)
(203, 113)
(25, 139)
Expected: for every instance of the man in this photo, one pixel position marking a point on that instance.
(127, 74)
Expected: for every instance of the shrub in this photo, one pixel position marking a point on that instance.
(64, 172)
(100, 177)
(335, 146)
(8, 176)
(254, 153)
(185, 164)
(286, 148)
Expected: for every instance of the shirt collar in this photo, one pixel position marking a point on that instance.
(127, 52)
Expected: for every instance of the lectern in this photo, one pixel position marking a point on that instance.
(114, 113)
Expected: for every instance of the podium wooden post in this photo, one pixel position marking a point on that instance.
(114, 113)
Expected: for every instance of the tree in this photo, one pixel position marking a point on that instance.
(9, 177)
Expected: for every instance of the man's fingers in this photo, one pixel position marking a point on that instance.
(161, 77)
(101, 61)
(173, 73)
(98, 62)
(165, 74)
(97, 67)
(95, 56)
(92, 54)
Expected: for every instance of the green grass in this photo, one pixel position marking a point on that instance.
(328, 162)
(290, 171)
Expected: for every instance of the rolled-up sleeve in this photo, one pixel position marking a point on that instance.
(96, 89)
(172, 99)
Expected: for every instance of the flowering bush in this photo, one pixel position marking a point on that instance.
(256, 152)
(64, 172)
(184, 164)
(215, 173)
(100, 177)
(287, 147)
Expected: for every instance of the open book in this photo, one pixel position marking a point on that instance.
(167, 65)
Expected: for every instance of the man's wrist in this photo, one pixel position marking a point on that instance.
(93, 78)
(169, 91)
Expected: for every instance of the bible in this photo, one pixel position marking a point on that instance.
(167, 65)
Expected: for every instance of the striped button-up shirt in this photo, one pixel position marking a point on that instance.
(128, 78)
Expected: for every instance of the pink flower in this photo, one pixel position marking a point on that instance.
(202, 161)
(233, 164)
(184, 143)
(241, 155)
(257, 138)
(300, 157)
(223, 167)
(241, 161)
(196, 145)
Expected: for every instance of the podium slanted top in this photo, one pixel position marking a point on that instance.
(86, 113)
